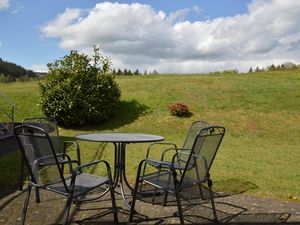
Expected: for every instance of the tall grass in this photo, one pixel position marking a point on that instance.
(260, 151)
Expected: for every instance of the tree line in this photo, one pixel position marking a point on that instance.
(279, 67)
(128, 72)
(10, 72)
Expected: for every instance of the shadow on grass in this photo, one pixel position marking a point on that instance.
(10, 157)
(8, 145)
(187, 115)
(233, 186)
(127, 113)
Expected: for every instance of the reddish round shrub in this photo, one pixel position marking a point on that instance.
(178, 109)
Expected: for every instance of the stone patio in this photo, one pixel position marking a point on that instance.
(231, 209)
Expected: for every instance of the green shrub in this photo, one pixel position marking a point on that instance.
(78, 91)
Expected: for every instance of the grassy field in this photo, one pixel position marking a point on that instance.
(260, 152)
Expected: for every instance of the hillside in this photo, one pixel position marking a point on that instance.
(10, 71)
(260, 152)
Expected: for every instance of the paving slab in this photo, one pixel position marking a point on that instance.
(231, 209)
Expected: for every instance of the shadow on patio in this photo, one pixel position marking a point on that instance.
(231, 209)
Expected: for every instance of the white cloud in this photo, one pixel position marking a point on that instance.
(137, 36)
(39, 68)
(4, 4)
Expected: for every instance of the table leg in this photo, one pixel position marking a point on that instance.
(123, 163)
(120, 179)
(122, 174)
(119, 171)
(116, 165)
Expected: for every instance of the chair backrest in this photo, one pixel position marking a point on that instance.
(49, 125)
(200, 159)
(194, 130)
(39, 155)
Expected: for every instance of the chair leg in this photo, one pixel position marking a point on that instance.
(37, 195)
(165, 198)
(26, 204)
(21, 178)
(166, 193)
(67, 209)
(201, 192)
(136, 186)
(155, 190)
(209, 181)
(154, 195)
(76, 202)
(132, 211)
(113, 202)
(179, 205)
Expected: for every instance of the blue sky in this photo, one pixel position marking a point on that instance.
(180, 36)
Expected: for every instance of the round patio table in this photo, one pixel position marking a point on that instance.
(120, 140)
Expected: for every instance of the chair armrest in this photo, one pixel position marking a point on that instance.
(92, 164)
(152, 162)
(175, 156)
(172, 149)
(198, 161)
(167, 164)
(184, 149)
(159, 164)
(63, 155)
(159, 143)
(79, 168)
(75, 144)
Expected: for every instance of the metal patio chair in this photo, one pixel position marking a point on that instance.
(49, 125)
(54, 171)
(179, 165)
(193, 131)
(168, 177)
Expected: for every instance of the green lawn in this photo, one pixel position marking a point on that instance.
(260, 152)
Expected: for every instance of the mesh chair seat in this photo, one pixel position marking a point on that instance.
(165, 180)
(162, 179)
(84, 183)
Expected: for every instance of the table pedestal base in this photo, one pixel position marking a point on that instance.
(120, 179)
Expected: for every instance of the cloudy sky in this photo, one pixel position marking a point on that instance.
(170, 36)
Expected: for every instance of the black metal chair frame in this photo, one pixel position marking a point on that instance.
(42, 122)
(199, 124)
(179, 165)
(70, 186)
(178, 175)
